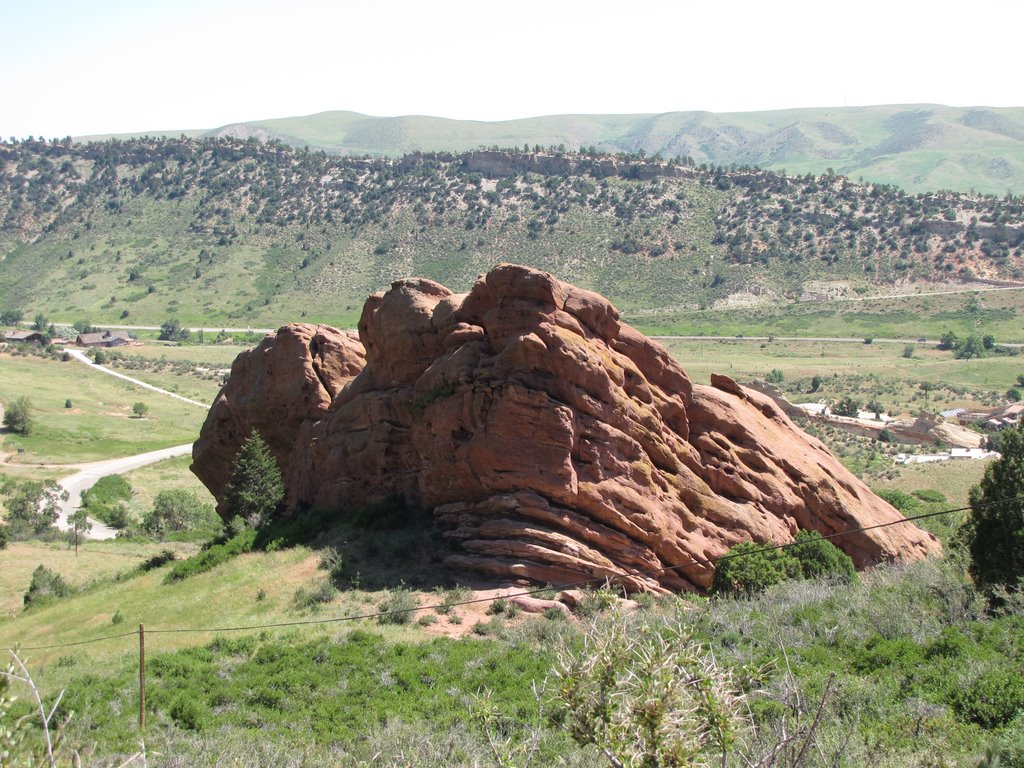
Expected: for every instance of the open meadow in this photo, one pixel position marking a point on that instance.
(81, 415)
(911, 316)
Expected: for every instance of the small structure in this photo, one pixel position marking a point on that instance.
(23, 337)
(103, 339)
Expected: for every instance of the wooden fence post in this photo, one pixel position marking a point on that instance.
(142, 678)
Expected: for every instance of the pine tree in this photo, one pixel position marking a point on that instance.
(994, 533)
(255, 489)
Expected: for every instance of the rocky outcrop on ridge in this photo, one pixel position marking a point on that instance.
(551, 440)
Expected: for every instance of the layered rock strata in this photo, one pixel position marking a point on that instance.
(553, 441)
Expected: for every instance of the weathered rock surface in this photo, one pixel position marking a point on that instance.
(554, 442)
(290, 378)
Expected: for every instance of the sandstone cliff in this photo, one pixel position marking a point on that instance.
(550, 439)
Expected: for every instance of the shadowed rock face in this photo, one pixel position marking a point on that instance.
(551, 440)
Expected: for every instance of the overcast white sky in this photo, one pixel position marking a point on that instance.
(116, 66)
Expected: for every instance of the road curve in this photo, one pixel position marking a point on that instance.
(88, 474)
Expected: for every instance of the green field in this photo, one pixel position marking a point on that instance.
(998, 313)
(169, 474)
(857, 369)
(99, 424)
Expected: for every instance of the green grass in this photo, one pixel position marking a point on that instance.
(862, 370)
(169, 474)
(100, 423)
(912, 317)
(96, 561)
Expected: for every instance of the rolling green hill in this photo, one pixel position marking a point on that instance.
(227, 232)
(917, 147)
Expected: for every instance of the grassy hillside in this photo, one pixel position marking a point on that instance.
(917, 147)
(922, 676)
(239, 233)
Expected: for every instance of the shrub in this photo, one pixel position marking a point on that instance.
(331, 561)
(4, 537)
(930, 496)
(775, 376)
(992, 700)
(819, 557)
(104, 500)
(749, 568)
(906, 504)
(18, 416)
(179, 510)
(315, 596)
(846, 407)
(45, 584)
(163, 557)
(189, 712)
(399, 608)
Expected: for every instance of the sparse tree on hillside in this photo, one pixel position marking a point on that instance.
(140, 409)
(256, 488)
(80, 524)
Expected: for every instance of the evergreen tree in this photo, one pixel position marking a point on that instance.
(255, 489)
(994, 533)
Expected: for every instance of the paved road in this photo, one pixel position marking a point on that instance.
(88, 474)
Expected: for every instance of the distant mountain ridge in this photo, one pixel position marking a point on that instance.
(917, 147)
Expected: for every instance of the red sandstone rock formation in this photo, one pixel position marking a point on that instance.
(551, 440)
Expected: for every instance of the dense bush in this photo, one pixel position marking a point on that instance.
(106, 500)
(18, 416)
(45, 584)
(819, 557)
(180, 510)
(749, 567)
